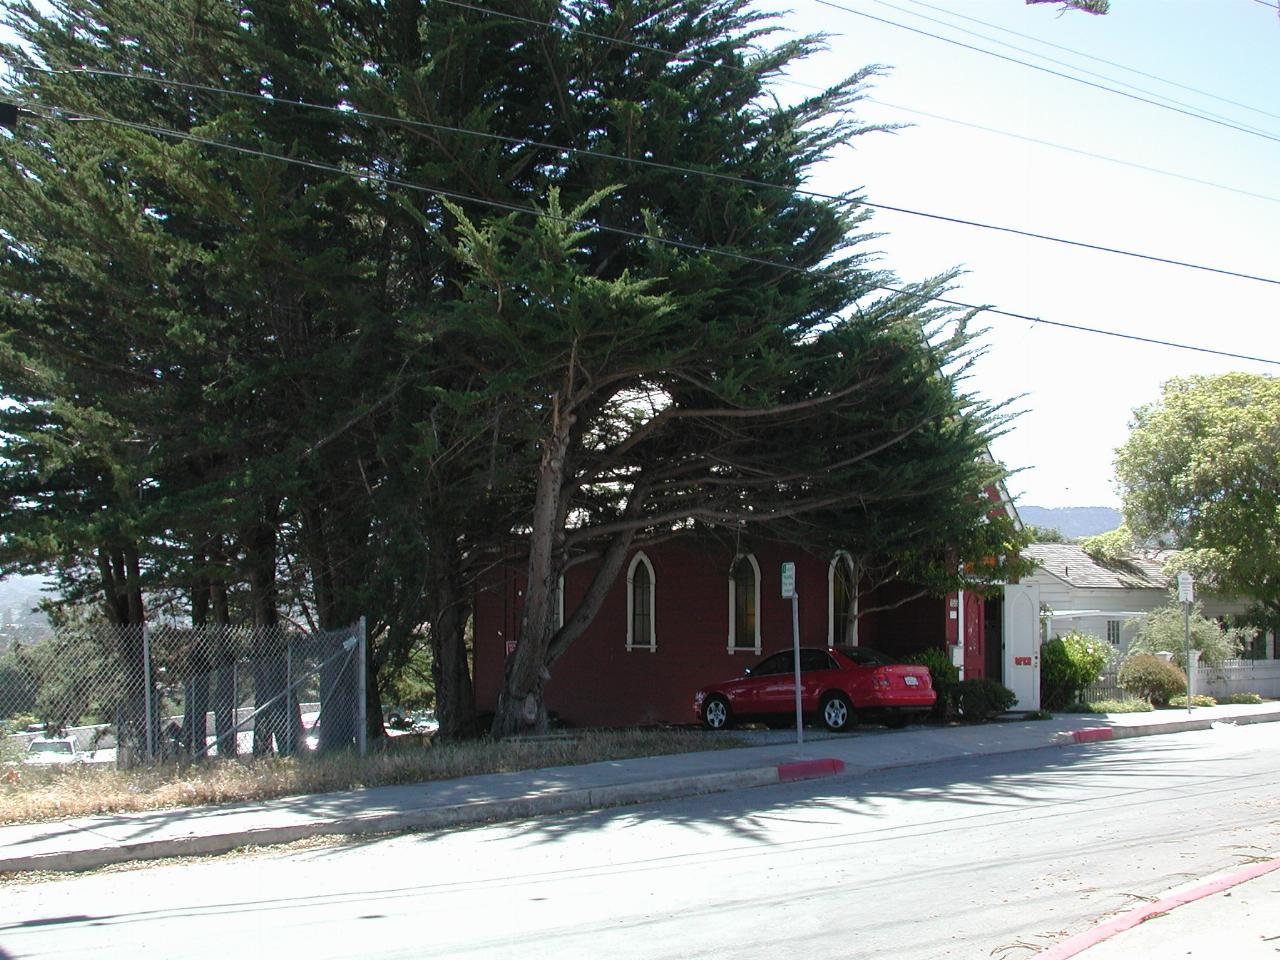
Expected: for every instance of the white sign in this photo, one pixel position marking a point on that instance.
(1186, 589)
(788, 580)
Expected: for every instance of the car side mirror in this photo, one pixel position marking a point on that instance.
(746, 672)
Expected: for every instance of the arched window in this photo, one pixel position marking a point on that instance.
(641, 634)
(842, 601)
(744, 604)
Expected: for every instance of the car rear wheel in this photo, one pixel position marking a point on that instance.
(837, 712)
(716, 713)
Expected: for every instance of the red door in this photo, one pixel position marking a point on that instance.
(975, 657)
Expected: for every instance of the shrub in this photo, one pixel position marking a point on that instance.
(944, 676)
(1197, 700)
(1069, 664)
(981, 698)
(1164, 629)
(1110, 706)
(1151, 678)
(1241, 698)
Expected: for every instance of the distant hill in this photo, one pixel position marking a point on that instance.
(1073, 521)
(18, 621)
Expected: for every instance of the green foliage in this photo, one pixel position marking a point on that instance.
(1109, 706)
(1199, 465)
(1045, 534)
(943, 674)
(1241, 698)
(1111, 547)
(1151, 678)
(982, 698)
(1197, 700)
(1163, 630)
(1068, 664)
(410, 685)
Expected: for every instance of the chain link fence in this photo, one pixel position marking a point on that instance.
(142, 694)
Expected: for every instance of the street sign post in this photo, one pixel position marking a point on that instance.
(789, 591)
(1187, 596)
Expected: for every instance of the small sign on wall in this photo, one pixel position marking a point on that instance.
(1022, 661)
(511, 647)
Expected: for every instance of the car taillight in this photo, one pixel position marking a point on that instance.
(880, 682)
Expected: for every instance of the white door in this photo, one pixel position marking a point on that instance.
(1022, 643)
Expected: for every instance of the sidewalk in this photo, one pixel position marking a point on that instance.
(87, 842)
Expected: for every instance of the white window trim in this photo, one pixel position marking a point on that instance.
(841, 555)
(733, 596)
(652, 646)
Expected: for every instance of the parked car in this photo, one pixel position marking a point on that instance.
(839, 685)
(44, 751)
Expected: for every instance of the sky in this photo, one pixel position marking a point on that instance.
(1076, 391)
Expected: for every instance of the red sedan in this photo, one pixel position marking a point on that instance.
(837, 684)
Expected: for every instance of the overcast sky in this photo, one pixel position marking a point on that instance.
(1078, 390)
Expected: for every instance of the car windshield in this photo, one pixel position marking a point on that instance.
(866, 657)
(49, 746)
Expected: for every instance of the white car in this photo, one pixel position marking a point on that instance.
(44, 751)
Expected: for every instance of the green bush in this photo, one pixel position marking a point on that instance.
(943, 674)
(1109, 706)
(1241, 698)
(1197, 700)
(1068, 664)
(981, 699)
(1151, 678)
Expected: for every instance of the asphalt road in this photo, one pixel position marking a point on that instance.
(982, 858)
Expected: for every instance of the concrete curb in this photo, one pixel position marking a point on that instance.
(435, 818)
(1095, 734)
(1179, 897)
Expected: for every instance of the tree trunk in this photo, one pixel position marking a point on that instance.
(520, 707)
(455, 695)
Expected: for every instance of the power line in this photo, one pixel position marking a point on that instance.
(622, 231)
(1076, 150)
(1081, 53)
(1055, 73)
(734, 68)
(673, 168)
(1062, 63)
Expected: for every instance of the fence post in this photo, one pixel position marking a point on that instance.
(290, 743)
(362, 703)
(146, 693)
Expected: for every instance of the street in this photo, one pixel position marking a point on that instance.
(984, 857)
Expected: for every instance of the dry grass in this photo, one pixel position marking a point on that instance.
(30, 794)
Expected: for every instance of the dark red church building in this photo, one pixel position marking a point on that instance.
(685, 614)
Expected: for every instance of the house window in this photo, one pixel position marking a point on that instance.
(640, 605)
(744, 604)
(842, 601)
(1113, 632)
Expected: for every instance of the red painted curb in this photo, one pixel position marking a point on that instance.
(1090, 734)
(808, 769)
(1105, 931)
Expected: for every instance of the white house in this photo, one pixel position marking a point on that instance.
(1078, 592)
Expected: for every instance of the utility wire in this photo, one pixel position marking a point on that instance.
(62, 113)
(674, 168)
(1070, 66)
(734, 68)
(1083, 153)
(1056, 73)
(1078, 53)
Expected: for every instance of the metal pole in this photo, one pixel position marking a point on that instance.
(795, 643)
(1186, 630)
(362, 705)
(290, 743)
(146, 680)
